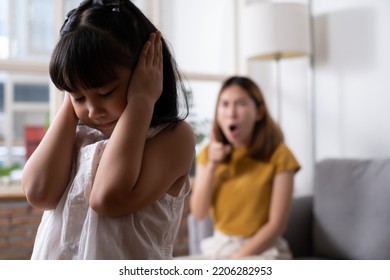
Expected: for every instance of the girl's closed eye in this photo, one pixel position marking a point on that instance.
(108, 92)
(104, 95)
(79, 99)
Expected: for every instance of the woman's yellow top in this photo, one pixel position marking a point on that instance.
(242, 189)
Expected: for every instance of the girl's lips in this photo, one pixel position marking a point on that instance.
(107, 125)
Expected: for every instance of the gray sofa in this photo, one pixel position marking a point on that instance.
(346, 217)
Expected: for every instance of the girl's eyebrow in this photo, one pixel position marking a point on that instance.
(75, 94)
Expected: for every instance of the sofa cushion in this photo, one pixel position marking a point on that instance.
(352, 209)
(299, 228)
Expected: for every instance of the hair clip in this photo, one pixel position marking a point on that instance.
(115, 9)
(108, 2)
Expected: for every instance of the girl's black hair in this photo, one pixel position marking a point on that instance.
(99, 36)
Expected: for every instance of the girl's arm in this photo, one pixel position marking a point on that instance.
(46, 173)
(134, 171)
(278, 217)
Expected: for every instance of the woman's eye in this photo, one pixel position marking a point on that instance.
(224, 104)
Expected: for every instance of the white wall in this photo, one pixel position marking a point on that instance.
(351, 89)
(352, 78)
(201, 33)
(295, 100)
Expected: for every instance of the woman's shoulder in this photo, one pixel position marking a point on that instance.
(284, 159)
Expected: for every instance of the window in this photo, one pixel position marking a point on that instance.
(201, 33)
(25, 99)
(31, 93)
(28, 32)
(27, 36)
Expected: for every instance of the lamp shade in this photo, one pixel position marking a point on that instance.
(275, 30)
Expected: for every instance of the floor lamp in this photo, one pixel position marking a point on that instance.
(275, 31)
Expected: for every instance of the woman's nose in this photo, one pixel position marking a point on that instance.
(231, 111)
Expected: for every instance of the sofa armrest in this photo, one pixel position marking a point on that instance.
(197, 231)
(300, 226)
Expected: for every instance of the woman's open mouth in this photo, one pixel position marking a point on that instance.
(234, 130)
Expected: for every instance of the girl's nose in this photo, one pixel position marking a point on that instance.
(95, 111)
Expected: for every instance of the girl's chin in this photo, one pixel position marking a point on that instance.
(105, 132)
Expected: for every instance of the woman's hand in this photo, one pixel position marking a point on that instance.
(217, 151)
(148, 74)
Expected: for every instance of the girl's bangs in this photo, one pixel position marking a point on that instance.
(86, 59)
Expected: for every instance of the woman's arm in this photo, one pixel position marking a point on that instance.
(46, 173)
(134, 171)
(278, 216)
(201, 195)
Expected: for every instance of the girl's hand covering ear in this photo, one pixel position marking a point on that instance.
(67, 103)
(147, 77)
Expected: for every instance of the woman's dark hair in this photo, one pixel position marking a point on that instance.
(266, 134)
(99, 36)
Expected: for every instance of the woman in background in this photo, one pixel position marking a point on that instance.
(244, 178)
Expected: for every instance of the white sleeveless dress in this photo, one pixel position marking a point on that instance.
(74, 231)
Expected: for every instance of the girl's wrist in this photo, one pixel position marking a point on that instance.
(142, 99)
(140, 106)
(68, 112)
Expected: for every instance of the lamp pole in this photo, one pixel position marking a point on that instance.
(278, 56)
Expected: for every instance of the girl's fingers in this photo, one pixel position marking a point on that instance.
(158, 49)
(144, 53)
(151, 49)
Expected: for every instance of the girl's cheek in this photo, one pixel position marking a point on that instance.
(78, 113)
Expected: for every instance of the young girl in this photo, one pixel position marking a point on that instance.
(245, 176)
(111, 171)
